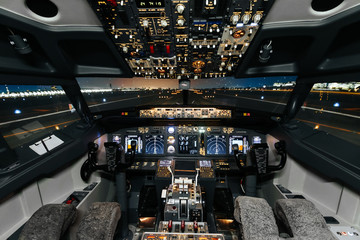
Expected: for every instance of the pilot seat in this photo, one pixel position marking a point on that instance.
(299, 216)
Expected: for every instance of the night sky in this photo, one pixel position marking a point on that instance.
(226, 82)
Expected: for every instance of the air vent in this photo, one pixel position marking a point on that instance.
(43, 8)
(325, 5)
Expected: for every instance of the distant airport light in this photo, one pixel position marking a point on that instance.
(316, 127)
(104, 99)
(17, 111)
(336, 104)
(57, 127)
(262, 97)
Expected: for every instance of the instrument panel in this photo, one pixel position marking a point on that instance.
(186, 140)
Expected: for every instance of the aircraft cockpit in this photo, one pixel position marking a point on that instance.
(179, 119)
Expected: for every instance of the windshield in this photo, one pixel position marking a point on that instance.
(31, 111)
(268, 94)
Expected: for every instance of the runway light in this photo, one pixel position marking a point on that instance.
(262, 97)
(336, 104)
(316, 127)
(17, 111)
(57, 127)
(104, 99)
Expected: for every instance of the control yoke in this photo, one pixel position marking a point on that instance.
(257, 158)
(115, 159)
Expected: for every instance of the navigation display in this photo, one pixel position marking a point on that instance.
(137, 139)
(188, 144)
(154, 144)
(216, 145)
(241, 141)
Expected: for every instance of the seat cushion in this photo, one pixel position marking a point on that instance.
(302, 219)
(49, 222)
(100, 221)
(256, 219)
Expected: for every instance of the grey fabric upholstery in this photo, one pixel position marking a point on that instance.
(256, 219)
(302, 219)
(49, 222)
(100, 221)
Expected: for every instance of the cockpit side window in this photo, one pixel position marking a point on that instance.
(335, 109)
(29, 112)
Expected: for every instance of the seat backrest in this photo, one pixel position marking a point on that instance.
(302, 219)
(256, 219)
(49, 222)
(100, 221)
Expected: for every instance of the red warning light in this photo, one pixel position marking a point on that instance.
(152, 49)
(112, 2)
(168, 49)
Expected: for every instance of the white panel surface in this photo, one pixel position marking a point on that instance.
(349, 207)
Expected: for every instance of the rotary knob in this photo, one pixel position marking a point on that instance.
(257, 18)
(146, 23)
(181, 22)
(171, 149)
(246, 18)
(180, 8)
(163, 23)
(235, 19)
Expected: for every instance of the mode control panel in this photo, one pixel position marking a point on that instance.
(185, 113)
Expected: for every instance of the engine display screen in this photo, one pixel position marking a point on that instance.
(129, 139)
(150, 3)
(154, 144)
(188, 144)
(241, 141)
(216, 145)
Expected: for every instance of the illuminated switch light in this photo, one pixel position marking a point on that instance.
(152, 49)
